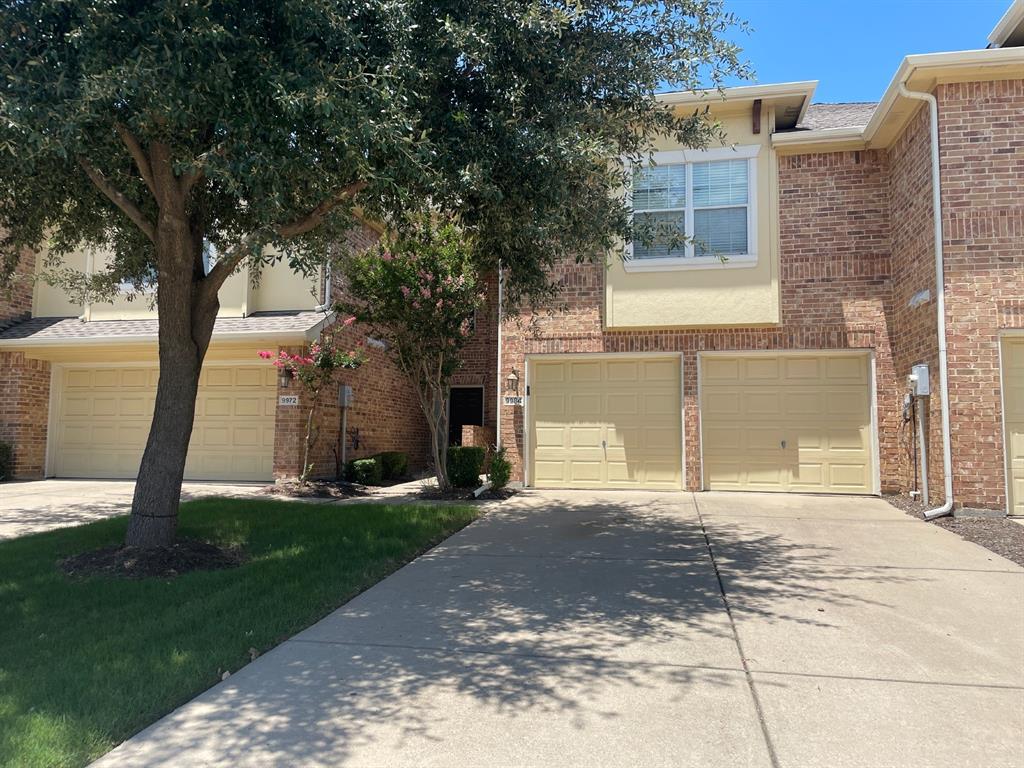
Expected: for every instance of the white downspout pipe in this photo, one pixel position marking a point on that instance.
(498, 380)
(940, 309)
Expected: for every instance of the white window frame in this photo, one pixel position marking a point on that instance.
(689, 260)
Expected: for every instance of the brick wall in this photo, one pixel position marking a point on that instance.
(480, 355)
(16, 299)
(385, 415)
(982, 163)
(834, 237)
(914, 298)
(24, 406)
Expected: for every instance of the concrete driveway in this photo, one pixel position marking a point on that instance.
(583, 629)
(42, 505)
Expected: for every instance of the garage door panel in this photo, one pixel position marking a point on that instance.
(1013, 416)
(616, 423)
(788, 422)
(105, 416)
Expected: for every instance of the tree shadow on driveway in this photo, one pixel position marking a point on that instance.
(556, 630)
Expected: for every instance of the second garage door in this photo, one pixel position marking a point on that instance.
(1013, 401)
(787, 423)
(605, 422)
(104, 414)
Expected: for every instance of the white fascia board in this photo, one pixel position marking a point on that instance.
(1012, 19)
(741, 93)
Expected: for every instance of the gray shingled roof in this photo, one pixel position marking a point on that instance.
(847, 115)
(71, 329)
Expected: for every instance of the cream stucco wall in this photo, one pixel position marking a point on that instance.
(282, 289)
(719, 294)
(279, 289)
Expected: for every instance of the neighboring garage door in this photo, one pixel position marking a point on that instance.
(1013, 403)
(104, 415)
(605, 423)
(787, 423)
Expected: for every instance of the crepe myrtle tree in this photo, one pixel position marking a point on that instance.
(160, 130)
(418, 292)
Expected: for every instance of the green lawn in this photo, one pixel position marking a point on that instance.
(85, 664)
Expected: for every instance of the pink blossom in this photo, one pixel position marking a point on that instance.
(386, 257)
(425, 292)
(266, 354)
(405, 291)
(440, 303)
(348, 320)
(415, 305)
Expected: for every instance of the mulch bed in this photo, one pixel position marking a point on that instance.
(999, 535)
(181, 557)
(465, 494)
(317, 489)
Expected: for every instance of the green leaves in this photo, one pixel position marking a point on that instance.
(515, 117)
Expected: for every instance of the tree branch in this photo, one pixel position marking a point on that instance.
(223, 268)
(138, 155)
(312, 219)
(117, 198)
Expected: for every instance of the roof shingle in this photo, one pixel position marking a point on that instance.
(854, 114)
(71, 329)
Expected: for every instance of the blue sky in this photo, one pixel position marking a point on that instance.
(853, 48)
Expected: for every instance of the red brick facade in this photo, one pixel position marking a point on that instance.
(385, 414)
(24, 408)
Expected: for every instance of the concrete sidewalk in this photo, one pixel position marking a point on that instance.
(585, 629)
(43, 505)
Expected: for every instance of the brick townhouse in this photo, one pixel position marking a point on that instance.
(771, 352)
(785, 366)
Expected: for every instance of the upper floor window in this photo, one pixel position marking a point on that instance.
(694, 209)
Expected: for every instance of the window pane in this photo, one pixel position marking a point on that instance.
(665, 230)
(720, 232)
(659, 187)
(720, 183)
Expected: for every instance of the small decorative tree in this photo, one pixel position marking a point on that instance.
(418, 292)
(316, 370)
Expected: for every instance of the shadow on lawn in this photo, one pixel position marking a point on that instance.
(550, 610)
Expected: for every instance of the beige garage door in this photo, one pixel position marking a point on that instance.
(104, 415)
(605, 423)
(1013, 402)
(787, 423)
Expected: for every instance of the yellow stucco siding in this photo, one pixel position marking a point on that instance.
(280, 289)
(719, 294)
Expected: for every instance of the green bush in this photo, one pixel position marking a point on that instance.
(6, 461)
(465, 463)
(395, 464)
(367, 471)
(501, 469)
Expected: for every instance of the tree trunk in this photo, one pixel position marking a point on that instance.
(186, 313)
(437, 421)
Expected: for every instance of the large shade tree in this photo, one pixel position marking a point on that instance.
(163, 130)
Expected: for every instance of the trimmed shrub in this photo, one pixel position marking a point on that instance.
(465, 463)
(395, 464)
(6, 461)
(501, 469)
(367, 471)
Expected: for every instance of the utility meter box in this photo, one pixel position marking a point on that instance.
(920, 384)
(345, 396)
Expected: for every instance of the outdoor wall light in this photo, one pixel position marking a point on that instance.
(512, 383)
(284, 378)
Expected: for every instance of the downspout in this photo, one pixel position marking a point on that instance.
(497, 398)
(940, 295)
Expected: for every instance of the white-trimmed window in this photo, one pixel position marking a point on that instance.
(698, 208)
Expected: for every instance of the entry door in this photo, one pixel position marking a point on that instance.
(787, 423)
(466, 406)
(1013, 402)
(606, 422)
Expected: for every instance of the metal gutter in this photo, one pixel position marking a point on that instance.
(940, 296)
